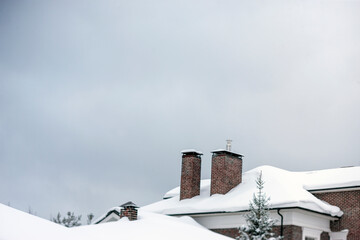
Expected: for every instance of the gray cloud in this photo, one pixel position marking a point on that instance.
(97, 99)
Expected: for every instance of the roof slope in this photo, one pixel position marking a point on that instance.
(15, 225)
(285, 189)
(148, 226)
(331, 178)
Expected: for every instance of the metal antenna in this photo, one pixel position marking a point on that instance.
(228, 145)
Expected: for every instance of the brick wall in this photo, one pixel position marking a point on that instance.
(290, 232)
(230, 232)
(190, 176)
(129, 212)
(226, 172)
(349, 203)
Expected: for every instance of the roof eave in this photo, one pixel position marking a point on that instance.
(334, 189)
(241, 211)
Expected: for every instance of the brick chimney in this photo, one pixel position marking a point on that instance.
(190, 174)
(226, 170)
(129, 210)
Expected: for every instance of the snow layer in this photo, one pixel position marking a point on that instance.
(191, 151)
(285, 189)
(331, 178)
(16, 225)
(117, 209)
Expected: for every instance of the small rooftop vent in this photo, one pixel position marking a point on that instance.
(129, 210)
(228, 145)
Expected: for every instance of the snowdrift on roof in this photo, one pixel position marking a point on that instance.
(331, 178)
(17, 225)
(285, 189)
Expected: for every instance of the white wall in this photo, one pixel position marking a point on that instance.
(296, 217)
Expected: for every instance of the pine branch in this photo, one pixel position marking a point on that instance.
(258, 219)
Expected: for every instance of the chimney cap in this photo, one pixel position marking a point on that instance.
(191, 152)
(223, 151)
(129, 204)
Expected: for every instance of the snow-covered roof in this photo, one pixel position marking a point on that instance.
(285, 189)
(114, 210)
(15, 225)
(345, 177)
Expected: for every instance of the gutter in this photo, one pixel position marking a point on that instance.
(240, 211)
(282, 223)
(336, 189)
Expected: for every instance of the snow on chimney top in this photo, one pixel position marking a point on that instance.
(191, 151)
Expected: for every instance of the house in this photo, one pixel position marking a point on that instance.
(18, 225)
(128, 209)
(314, 205)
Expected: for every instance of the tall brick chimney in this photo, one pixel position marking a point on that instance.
(129, 210)
(190, 174)
(226, 170)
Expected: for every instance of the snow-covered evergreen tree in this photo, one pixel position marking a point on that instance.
(259, 224)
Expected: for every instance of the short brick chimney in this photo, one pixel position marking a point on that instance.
(190, 174)
(129, 210)
(226, 170)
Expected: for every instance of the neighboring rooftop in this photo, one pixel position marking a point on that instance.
(285, 188)
(16, 225)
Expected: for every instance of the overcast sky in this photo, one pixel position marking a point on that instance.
(98, 98)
